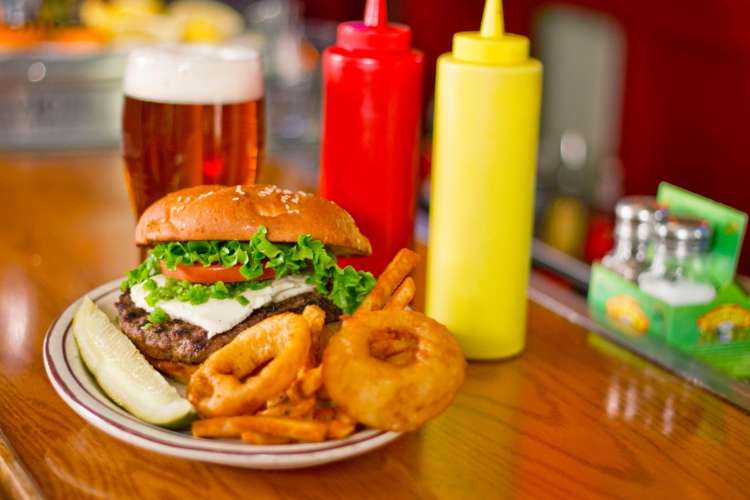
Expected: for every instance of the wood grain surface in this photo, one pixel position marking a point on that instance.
(572, 417)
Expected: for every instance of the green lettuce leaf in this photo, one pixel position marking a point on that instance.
(344, 287)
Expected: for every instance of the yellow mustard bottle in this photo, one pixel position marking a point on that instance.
(487, 102)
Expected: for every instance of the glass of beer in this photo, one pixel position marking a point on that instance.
(192, 115)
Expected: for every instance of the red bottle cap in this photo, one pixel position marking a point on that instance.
(375, 33)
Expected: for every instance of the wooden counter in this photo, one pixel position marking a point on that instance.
(572, 417)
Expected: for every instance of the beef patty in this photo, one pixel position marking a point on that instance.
(177, 340)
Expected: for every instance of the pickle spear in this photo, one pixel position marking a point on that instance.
(124, 374)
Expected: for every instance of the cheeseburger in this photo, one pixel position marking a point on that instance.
(224, 258)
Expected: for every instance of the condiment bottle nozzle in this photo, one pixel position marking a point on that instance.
(492, 19)
(376, 13)
(491, 44)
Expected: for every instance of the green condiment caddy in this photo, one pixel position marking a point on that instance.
(717, 332)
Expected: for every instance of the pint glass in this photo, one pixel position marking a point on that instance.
(192, 115)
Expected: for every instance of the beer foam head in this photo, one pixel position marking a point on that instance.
(194, 74)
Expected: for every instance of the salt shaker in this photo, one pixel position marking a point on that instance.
(678, 274)
(637, 217)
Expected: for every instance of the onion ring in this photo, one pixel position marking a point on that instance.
(384, 395)
(226, 385)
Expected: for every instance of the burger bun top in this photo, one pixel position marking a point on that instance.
(212, 212)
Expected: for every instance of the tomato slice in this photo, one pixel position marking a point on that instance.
(211, 274)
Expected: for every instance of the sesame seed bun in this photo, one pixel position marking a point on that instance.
(235, 213)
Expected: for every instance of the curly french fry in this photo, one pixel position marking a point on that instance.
(403, 295)
(397, 270)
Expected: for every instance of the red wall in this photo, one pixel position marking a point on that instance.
(687, 87)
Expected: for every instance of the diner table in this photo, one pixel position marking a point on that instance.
(573, 416)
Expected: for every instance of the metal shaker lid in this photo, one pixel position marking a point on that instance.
(636, 216)
(684, 229)
(640, 209)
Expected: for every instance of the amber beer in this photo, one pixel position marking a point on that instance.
(192, 115)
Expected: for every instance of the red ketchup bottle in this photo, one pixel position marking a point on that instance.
(372, 99)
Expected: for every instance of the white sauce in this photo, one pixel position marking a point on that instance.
(677, 293)
(218, 316)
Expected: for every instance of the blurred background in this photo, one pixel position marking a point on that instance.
(635, 92)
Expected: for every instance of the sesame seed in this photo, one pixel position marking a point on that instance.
(266, 191)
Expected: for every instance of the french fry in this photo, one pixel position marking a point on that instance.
(296, 409)
(280, 399)
(399, 268)
(341, 426)
(311, 381)
(403, 295)
(258, 438)
(324, 414)
(224, 427)
(294, 394)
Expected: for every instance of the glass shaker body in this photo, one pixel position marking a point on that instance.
(678, 273)
(678, 264)
(634, 232)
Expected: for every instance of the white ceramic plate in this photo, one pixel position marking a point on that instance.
(79, 390)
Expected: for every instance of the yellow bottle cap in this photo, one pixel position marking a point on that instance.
(491, 45)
